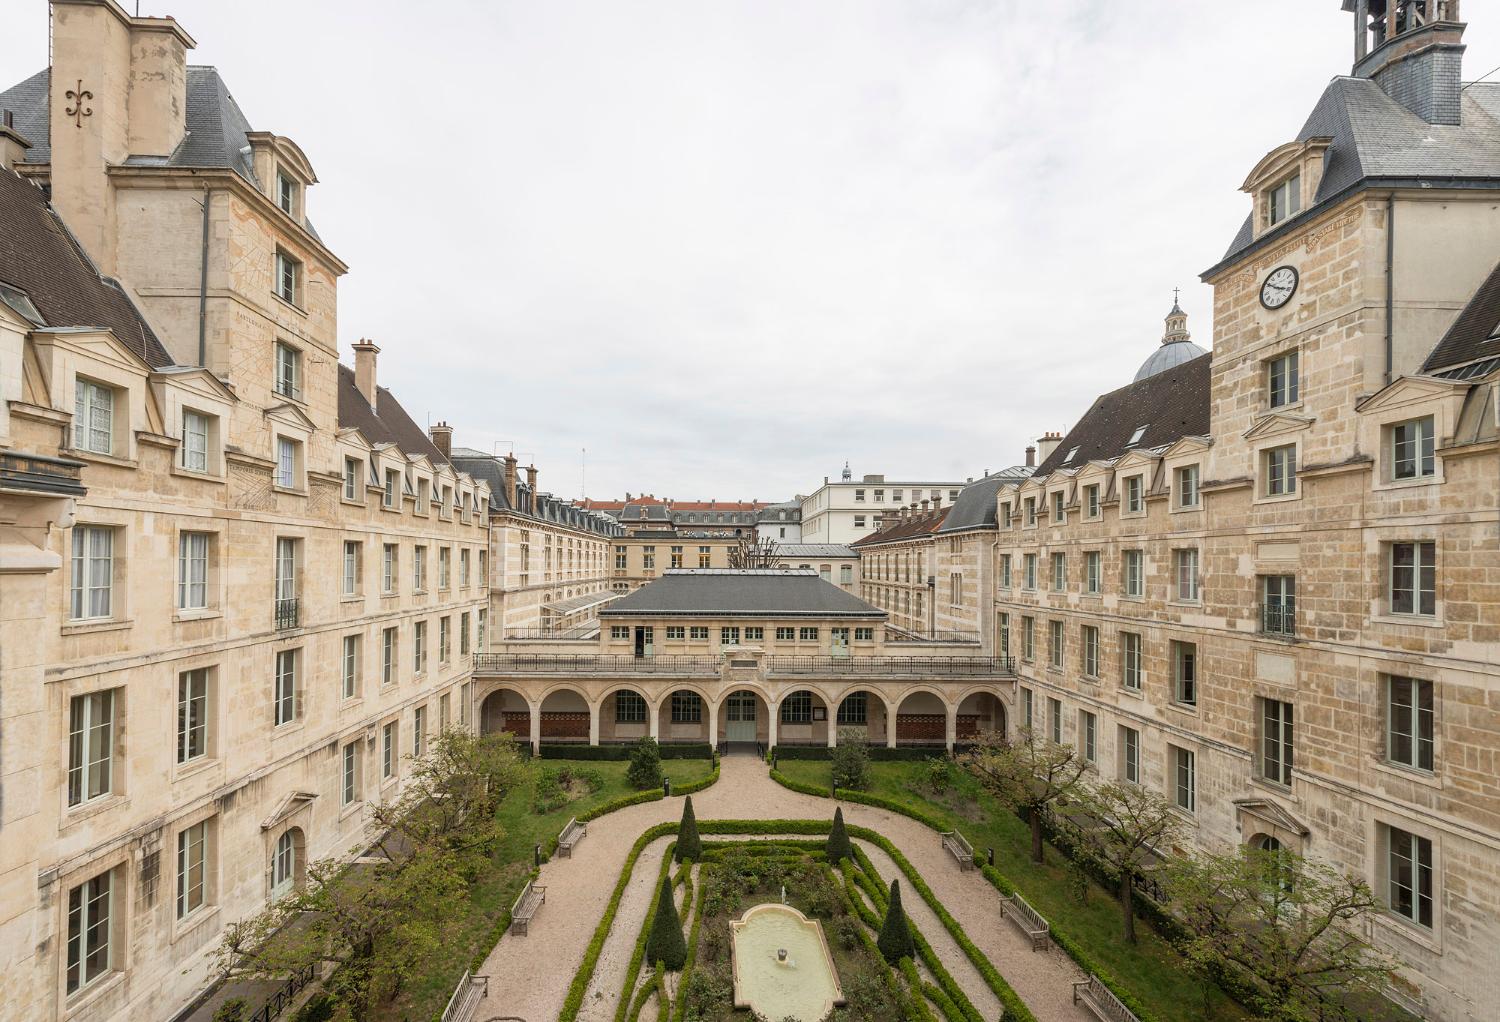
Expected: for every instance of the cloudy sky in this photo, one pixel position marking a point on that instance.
(727, 246)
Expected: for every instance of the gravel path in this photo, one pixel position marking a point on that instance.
(529, 975)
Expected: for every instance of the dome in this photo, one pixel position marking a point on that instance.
(1168, 356)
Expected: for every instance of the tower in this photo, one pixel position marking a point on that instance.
(1176, 324)
(847, 474)
(1413, 50)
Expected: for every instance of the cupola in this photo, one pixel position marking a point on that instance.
(1176, 346)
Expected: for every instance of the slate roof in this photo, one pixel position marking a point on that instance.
(813, 550)
(718, 592)
(975, 506)
(1377, 141)
(918, 526)
(541, 506)
(1475, 334)
(387, 423)
(1171, 405)
(41, 259)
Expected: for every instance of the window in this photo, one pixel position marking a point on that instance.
(1411, 449)
(463, 568)
(1282, 380)
(1285, 199)
(419, 647)
(388, 749)
(1088, 737)
(879, 496)
(687, 708)
(1090, 651)
(283, 864)
(648, 558)
(808, 634)
(1027, 707)
(797, 708)
(286, 194)
(705, 556)
(388, 566)
(1185, 788)
(1059, 514)
(1278, 604)
(1135, 572)
(1130, 660)
(288, 371)
(1091, 501)
(1409, 722)
(350, 666)
(955, 588)
(1059, 572)
(93, 417)
(89, 924)
(1056, 644)
(286, 462)
(619, 558)
(630, 708)
(444, 712)
(192, 571)
(352, 552)
(1130, 755)
(1186, 570)
(387, 656)
(1054, 720)
(846, 574)
(419, 569)
(1185, 673)
(698, 632)
(419, 731)
(288, 277)
(286, 686)
(388, 497)
(192, 715)
(729, 636)
(1005, 514)
(351, 773)
(445, 628)
(859, 521)
(351, 479)
(1409, 871)
(825, 572)
(677, 557)
(1030, 512)
(1413, 578)
(1004, 630)
(1005, 571)
(754, 633)
(92, 584)
(1280, 470)
(1028, 639)
(1134, 500)
(1135, 437)
(859, 494)
(463, 634)
(287, 550)
(91, 746)
(192, 868)
(1276, 741)
(896, 496)
(674, 631)
(784, 634)
(1092, 567)
(864, 635)
(854, 710)
(445, 567)
(1030, 580)
(1187, 486)
(195, 441)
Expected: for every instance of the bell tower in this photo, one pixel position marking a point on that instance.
(1176, 323)
(1412, 49)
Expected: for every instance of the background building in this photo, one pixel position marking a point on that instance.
(832, 562)
(844, 511)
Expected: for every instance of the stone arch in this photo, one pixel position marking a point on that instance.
(565, 714)
(619, 723)
(877, 712)
(978, 710)
(730, 723)
(505, 711)
(798, 714)
(922, 716)
(672, 727)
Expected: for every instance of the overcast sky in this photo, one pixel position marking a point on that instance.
(727, 246)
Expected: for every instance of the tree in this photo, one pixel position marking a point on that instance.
(1285, 927)
(665, 943)
(838, 839)
(689, 846)
(1030, 775)
(645, 764)
(895, 941)
(851, 759)
(1122, 824)
(750, 552)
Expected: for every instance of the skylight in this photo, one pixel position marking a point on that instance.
(1135, 437)
(1071, 455)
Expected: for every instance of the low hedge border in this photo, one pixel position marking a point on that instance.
(692, 955)
(879, 753)
(639, 954)
(700, 750)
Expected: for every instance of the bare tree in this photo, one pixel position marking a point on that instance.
(752, 552)
(1029, 773)
(1122, 825)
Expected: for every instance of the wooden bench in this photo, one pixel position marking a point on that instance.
(532, 897)
(573, 833)
(1028, 919)
(960, 849)
(1102, 1001)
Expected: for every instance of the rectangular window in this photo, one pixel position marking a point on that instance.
(1088, 737)
(864, 635)
(288, 277)
(1413, 578)
(1134, 494)
(1091, 501)
(350, 666)
(698, 633)
(388, 567)
(630, 708)
(1056, 645)
(1005, 571)
(1187, 486)
(387, 656)
(463, 568)
(1282, 382)
(1409, 866)
(286, 463)
(351, 479)
(1030, 512)
(1185, 788)
(388, 496)
(287, 550)
(91, 746)
(1276, 741)
(1028, 639)
(784, 634)
(445, 628)
(419, 731)
(1278, 604)
(286, 686)
(419, 647)
(1185, 673)
(1092, 571)
(419, 569)
(808, 634)
(648, 558)
(687, 708)
(1281, 470)
(955, 589)
(797, 708)
(1285, 200)
(445, 567)
(92, 585)
(1054, 720)
(195, 441)
(1030, 579)
(352, 551)
(1409, 727)
(93, 417)
(463, 634)
(1412, 449)
(1130, 755)
(1135, 572)
(859, 494)
(677, 557)
(754, 633)
(192, 715)
(1090, 651)
(705, 556)
(1059, 573)
(729, 636)
(351, 773)
(1059, 513)
(1186, 569)
(846, 574)
(444, 712)
(288, 371)
(859, 521)
(89, 922)
(192, 571)
(388, 750)
(1004, 629)
(192, 868)
(286, 194)
(1130, 660)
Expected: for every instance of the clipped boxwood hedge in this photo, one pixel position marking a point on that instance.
(877, 752)
(564, 750)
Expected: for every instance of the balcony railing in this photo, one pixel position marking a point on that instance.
(962, 666)
(287, 614)
(859, 666)
(1279, 618)
(592, 663)
(40, 473)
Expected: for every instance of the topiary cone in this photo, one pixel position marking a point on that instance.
(666, 943)
(895, 941)
(688, 844)
(838, 838)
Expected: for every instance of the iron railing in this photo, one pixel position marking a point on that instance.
(895, 633)
(1279, 617)
(283, 998)
(982, 666)
(287, 614)
(861, 666)
(592, 663)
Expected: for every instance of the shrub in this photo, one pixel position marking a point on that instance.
(940, 774)
(666, 943)
(895, 941)
(851, 760)
(838, 839)
(645, 764)
(318, 1009)
(232, 1010)
(688, 844)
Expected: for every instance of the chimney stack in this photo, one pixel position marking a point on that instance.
(510, 481)
(531, 480)
(364, 370)
(1046, 444)
(442, 438)
(1031, 455)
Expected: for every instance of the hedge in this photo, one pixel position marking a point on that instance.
(693, 787)
(639, 954)
(697, 750)
(881, 753)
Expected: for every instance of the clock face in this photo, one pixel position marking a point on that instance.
(1279, 287)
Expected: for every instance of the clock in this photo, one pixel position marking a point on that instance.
(1280, 285)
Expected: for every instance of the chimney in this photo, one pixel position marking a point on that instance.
(531, 479)
(442, 438)
(364, 370)
(1031, 455)
(1046, 444)
(1413, 52)
(510, 481)
(12, 146)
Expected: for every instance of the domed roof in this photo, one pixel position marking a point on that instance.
(1168, 356)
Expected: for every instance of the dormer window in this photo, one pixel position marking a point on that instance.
(1285, 199)
(286, 193)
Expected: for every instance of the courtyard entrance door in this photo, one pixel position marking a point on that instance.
(643, 644)
(740, 717)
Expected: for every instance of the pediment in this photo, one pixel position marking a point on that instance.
(420, 461)
(195, 380)
(1269, 812)
(1136, 459)
(288, 806)
(1407, 390)
(290, 415)
(1276, 424)
(1188, 445)
(1282, 160)
(102, 345)
(351, 434)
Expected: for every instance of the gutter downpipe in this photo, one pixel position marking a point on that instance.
(1390, 283)
(203, 284)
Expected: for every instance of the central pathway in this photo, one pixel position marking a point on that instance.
(529, 976)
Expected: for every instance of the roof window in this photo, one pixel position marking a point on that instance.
(1135, 437)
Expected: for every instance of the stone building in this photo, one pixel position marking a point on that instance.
(833, 563)
(191, 710)
(1266, 580)
(898, 567)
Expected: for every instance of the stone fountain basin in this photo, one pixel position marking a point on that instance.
(806, 987)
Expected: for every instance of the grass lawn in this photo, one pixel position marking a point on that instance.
(1151, 968)
(494, 892)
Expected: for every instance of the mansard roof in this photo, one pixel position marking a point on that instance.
(975, 506)
(1170, 405)
(920, 525)
(741, 592)
(387, 423)
(43, 266)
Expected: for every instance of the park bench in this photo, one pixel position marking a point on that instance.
(532, 897)
(1101, 1000)
(466, 997)
(959, 848)
(571, 834)
(1028, 920)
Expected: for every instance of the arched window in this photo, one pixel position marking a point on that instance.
(284, 862)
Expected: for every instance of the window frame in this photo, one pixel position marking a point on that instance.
(193, 709)
(1423, 456)
(1418, 709)
(195, 443)
(1283, 379)
(92, 735)
(88, 409)
(1423, 581)
(91, 589)
(1277, 741)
